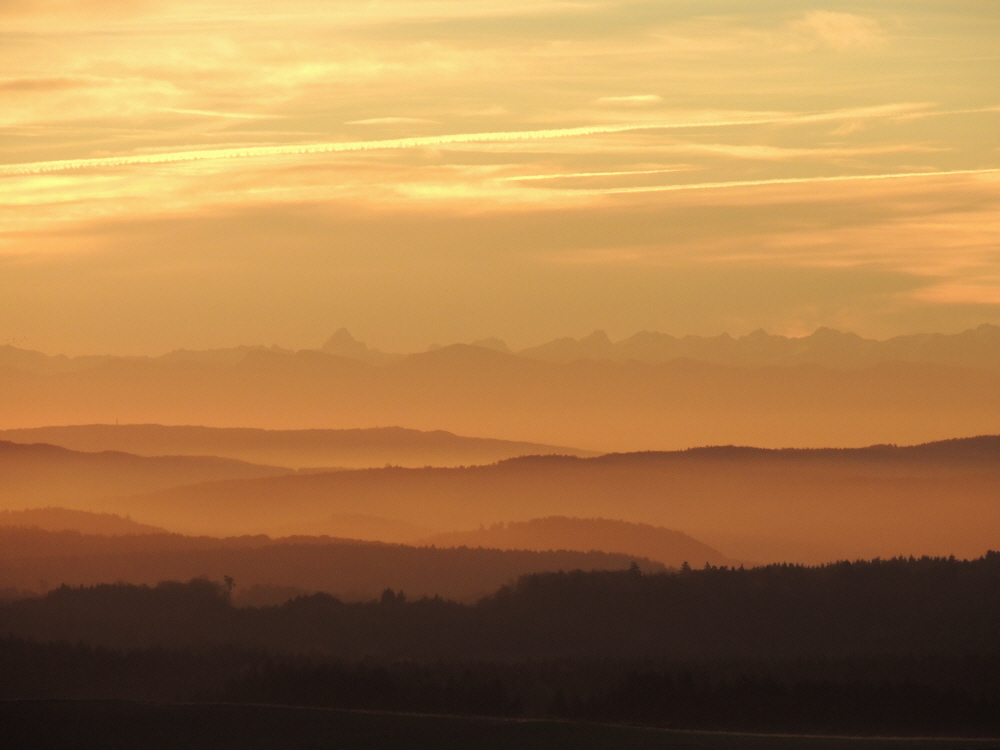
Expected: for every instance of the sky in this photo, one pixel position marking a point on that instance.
(200, 174)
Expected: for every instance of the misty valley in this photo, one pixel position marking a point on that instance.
(697, 598)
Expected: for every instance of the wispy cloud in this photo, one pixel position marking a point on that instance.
(392, 121)
(214, 113)
(41, 84)
(839, 31)
(631, 100)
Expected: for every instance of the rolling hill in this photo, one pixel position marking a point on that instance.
(40, 475)
(268, 570)
(672, 548)
(61, 519)
(296, 448)
(751, 504)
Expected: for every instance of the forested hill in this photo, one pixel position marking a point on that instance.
(877, 608)
(272, 570)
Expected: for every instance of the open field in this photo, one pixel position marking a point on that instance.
(114, 725)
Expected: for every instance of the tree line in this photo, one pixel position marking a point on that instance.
(904, 646)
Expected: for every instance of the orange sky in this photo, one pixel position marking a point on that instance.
(200, 174)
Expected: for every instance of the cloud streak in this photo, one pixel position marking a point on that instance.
(633, 99)
(781, 181)
(214, 113)
(42, 167)
(392, 121)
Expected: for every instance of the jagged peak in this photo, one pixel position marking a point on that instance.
(344, 344)
(597, 337)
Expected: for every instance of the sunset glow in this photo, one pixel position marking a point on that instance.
(267, 174)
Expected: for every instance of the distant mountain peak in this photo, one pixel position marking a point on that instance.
(494, 343)
(345, 345)
(825, 332)
(597, 338)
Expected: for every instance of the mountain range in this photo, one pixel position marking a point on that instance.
(593, 405)
(977, 347)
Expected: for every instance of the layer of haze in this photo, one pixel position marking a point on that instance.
(690, 167)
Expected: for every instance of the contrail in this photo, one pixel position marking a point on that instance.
(41, 167)
(776, 181)
(529, 177)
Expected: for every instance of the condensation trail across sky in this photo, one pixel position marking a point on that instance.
(433, 140)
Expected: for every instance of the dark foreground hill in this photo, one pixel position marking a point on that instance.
(273, 570)
(295, 448)
(900, 647)
(750, 504)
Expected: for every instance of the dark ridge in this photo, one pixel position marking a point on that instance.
(968, 449)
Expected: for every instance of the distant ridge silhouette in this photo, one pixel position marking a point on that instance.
(672, 548)
(976, 347)
(754, 505)
(979, 347)
(40, 475)
(343, 344)
(61, 519)
(355, 448)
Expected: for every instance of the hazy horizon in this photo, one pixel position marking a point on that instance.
(488, 340)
